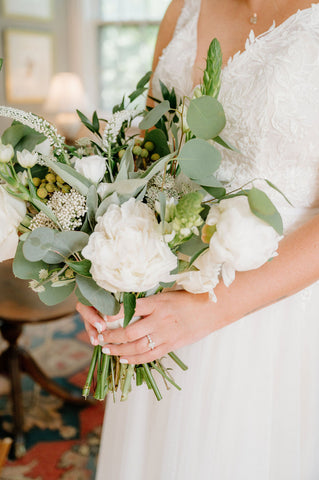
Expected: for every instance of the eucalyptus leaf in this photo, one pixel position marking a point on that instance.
(144, 80)
(199, 160)
(279, 191)
(23, 268)
(225, 143)
(22, 137)
(114, 198)
(53, 296)
(198, 254)
(92, 205)
(216, 192)
(81, 267)
(206, 117)
(70, 176)
(82, 299)
(127, 163)
(263, 208)
(192, 246)
(102, 300)
(154, 115)
(129, 303)
(38, 244)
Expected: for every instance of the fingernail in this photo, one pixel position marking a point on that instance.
(123, 360)
(98, 327)
(106, 350)
(101, 339)
(94, 341)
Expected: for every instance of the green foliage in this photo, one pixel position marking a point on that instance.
(140, 88)
(93, 126)
(53, 296)
(23, 268)
(199, 160)
(159, 139)
(22, 137)
(224, 143)
(264, 209)
(154, 115)
(1, 63)
(102, 300)
(212, 74)
(129, 302)
(52, 246)
(127, 163)
(192, 246)
(92, 205)
(80, 267)
(206, 117)
(71, 176)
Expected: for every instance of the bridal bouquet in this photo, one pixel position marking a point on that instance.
(116, 217)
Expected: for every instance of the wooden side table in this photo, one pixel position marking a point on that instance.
(19, 306)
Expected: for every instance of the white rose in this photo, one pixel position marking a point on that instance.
(203, 280)
(27, 159)
(127, 250)
(92, 167)
(12, 211)
(242, 241)
(44, 148)
(6, 153)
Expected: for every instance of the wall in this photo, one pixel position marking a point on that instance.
(59, 28)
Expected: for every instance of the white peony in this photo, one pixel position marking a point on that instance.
(27, 159)
(242, 241)
(127, 250)
(203, 280)
(6, 153)
(92, 167)
(12, 211)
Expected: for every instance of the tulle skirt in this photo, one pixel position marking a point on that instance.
(248, 409)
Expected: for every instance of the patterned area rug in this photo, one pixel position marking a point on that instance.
(62, 440)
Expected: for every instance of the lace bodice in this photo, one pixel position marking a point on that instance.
(270, 93)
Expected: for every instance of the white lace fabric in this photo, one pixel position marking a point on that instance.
(270, 93)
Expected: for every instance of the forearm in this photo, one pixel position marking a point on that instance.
(296, 267)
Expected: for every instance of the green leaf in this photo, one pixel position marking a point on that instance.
(127, 163)
(129, 302)
(65, 244)
(82, 267)
(24, 269)
(154, 115)
(224, 143)
(162, 200)
(103, 301)
(53, 296)
(137, 93)
(92, 205)
(192, 246)
(278, 190)
(22, 137)
(114, 198)
(159, 139)
(38, 244)
(144, 80)
(206, 117)
(263, 208)
(82, 299)
(1, 63)
(216, 192)
(95, 122)
(197, 254)
(70, 176)
(199, 160)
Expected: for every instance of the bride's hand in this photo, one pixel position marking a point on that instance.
(171, 320)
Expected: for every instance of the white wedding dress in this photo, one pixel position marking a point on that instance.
(249, 405)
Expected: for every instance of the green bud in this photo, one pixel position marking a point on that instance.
(59, 179)
(149, 146)
(50, 177)
(144, 153)
(155, 157)
(50, 187)
(121, 153)
(138, 141)
(137, 150)
(42, 192)
(36, 181)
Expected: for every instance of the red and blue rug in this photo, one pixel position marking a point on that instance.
(62, 440)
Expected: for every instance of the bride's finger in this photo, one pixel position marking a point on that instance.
(131, 333)
(144, 307)
(143, 345)
(90, 315)
(146, 357)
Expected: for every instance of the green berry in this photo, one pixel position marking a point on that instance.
(137, 150)
(144, 153)
(121, 153)
(138, 141)
(42, 192)
(36, 181)
(149, 146)
(50, 187)
(155, 157)
(59, 179)
(50, 177)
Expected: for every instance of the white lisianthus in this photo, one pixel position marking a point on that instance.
(12, 211)
(127, 250)
(27, 159)
(203, 280)
(242, 241)
(92, 167)
(6, 153)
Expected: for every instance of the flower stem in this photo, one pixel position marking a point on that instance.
(152, 382)
(87, 386)
(178, 361)
(127, 382)
(162, 372)
(102, 385)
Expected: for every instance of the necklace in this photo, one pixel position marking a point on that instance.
(253, 18)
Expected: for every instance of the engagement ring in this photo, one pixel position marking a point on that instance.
(151, 344)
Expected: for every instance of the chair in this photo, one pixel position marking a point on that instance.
(5, 445)
(20, 306)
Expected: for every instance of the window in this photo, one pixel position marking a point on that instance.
(127, 32)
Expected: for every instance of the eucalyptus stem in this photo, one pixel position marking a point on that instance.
(178, 361)
(87, 386)
(152, 382)
(98, 393)
(102, 386)
(166, 377)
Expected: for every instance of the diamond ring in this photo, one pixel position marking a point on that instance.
(151, 344)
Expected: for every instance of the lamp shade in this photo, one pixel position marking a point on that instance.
(66, 94)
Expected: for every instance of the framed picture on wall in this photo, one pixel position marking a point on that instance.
(28, 62)
(30, 9)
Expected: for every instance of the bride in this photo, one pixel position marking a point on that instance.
(249, 406)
